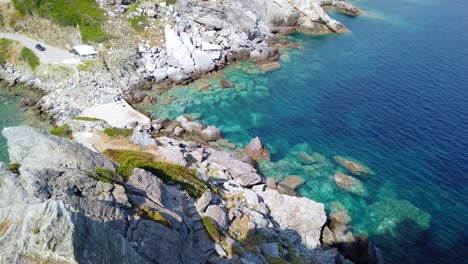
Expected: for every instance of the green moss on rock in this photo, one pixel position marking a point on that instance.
(185, 177)
(118, 132)
(29, 57)
(139, 23)
(212, 229)
(105, 175)
(5, 50)
(62, 131)
(14, 167)
(121, 155)
(155, 216)
(85, 118)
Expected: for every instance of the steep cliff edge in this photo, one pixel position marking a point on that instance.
(65, 203)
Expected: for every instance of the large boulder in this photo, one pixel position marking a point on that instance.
(172, 154)
(305, 216)
(203, 62)
(211, 133)
(145, 184)
(190, 126)
(256, 150)
(230, 167)
(349, 183)
(177, 48)
(313, 14)
(219, 216)
(38, 150)
(293, 182)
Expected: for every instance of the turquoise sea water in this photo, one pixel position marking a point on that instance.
(392, 94)
(11, 115)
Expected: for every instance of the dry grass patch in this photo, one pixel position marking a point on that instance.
(155, 216)
(4, 227)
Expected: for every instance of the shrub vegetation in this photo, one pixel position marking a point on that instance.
(157, 217)
(83, 13)
(139, 23)
(14, 167)
(212, 229)
(5, 50)
(105, 175)
(62, 131)
(28, 56)
(131, 159)
(118, 132)
(85, 118)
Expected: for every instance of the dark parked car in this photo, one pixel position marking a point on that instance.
(39, 47)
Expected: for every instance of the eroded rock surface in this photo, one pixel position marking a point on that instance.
(56, 209)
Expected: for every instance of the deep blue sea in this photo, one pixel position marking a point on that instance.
(391, 94)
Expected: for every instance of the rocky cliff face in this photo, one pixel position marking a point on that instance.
(55, 209)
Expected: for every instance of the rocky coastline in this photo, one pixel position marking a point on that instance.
(55, 207)
(165, 191)
(200, 37)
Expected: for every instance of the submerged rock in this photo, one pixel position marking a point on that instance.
(287, 191)
(352, 166)
(305, 159)
(256, 150)
(339, 213)
(293, 182)
(270, 66)
(225, 83)
(206, 87)
(349, 183)
(389, 215)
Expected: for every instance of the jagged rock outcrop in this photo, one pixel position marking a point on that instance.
(56, 209)
(257, 150)
(55, 174)
(52, 232)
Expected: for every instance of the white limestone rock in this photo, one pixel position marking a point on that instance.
(305, 216)
(176, 48)
(211, 133)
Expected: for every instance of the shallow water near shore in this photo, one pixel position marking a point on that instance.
(391, 94)
(12, 115)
